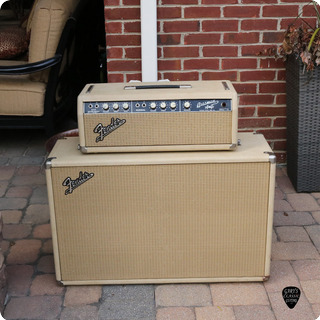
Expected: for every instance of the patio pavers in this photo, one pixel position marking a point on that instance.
(34, 294)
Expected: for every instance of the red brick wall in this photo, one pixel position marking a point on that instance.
(209, 40)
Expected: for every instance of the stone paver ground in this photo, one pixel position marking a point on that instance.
(33, 292)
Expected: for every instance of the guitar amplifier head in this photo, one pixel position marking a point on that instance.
(140, 117)
(161, 217)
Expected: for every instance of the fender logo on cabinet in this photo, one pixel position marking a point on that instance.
(73, 184)
(104, 131)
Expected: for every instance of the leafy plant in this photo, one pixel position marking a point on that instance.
(303, 41)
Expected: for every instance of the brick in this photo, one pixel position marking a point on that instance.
(220, 25)
(294, 251)
(169, 39)
(47, 247)
(314, 233)
(183, 295)
(46, 264)
(181, 26)
(35, 179)
(111, 2)
(307, 269)
(292, 233)
(19, 192)
(239, 63)
(257, 75)
(254, 123)
(220, 51)
(233, 294)
(281, 275)
(115, 53)
(45, 284)
(202, 12)
(215, 313)
(175, 313)
(115, 77)
(303, 202)
(293, 219)
(259, 24)
(259, 1)
(132, 53)
(37, 214)
(131, 2)
(24, 251)
(12, 203)
(137, 76)
(246, 112)
(272, 87)
(280, 11)
(270, 134)
(181, 76)
(16, 231)
(241, 11)
(268, 63)
(271, 111)
(11, 216)
(42, 231)
(316, 310)
(38, 307)
(272, 37)
(220, 75)
(185, 51)
(252, 99)
(169, 64)
(219, 1)
(133, 27)
(302, 310)
(122, 13)
(80, 313)
(202, 38)
(80, 295)
(241, 37)
(6, 172)
(195, 64)
(124, 65)
(113, 27)
(255, 50)
(254, 312)
(316, 216)
(180, 2)
(127, 302)
(280, 122)
(285, 184)
(3, 187)
(169, 12)
(120, 40)
(245, 87)
(282, 205)
(19, 279)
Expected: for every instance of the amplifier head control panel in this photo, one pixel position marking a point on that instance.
(194, 115)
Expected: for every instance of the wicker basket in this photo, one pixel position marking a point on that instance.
(303, 126)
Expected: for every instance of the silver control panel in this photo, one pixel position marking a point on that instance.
(158, 106)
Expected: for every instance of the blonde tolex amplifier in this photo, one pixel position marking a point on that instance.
(167, 217)
(139, 117)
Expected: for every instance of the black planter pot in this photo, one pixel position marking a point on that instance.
(303, 126)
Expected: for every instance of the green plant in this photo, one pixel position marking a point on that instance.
(303, 41)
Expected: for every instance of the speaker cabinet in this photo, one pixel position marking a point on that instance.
(167, 217)
(122, 117)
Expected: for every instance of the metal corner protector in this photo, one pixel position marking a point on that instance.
(48, 164)
(272, 156)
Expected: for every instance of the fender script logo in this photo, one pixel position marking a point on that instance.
(73, 184)
(104, 131)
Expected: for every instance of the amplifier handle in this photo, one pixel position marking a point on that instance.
(159, 86)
